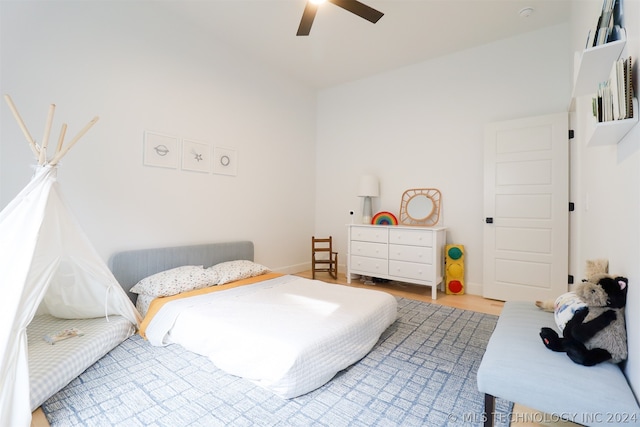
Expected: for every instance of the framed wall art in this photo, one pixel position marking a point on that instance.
(196, 156)
(160, 150)
(225, 161)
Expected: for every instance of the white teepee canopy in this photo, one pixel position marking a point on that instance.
(47, 265)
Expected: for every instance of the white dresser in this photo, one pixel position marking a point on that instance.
(402, 253)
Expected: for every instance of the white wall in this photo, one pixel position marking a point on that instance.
(422, 126)
(141, 69)
(610, 183)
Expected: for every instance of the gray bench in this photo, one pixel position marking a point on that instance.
(517, 367)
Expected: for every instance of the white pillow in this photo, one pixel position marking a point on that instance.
(143, 302)
(236, 270)
(175, 281)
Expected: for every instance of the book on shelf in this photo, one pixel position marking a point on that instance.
(608, 27)
(621, 89)
(618, 97)
(593, 32)
(629, 87)
(614, 98)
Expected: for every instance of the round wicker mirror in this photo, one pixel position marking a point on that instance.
(420, 206)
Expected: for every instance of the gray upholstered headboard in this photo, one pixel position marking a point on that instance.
(129, 267)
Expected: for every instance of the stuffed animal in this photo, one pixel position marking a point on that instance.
(595, 267)
(594, 270)
(596, 333)
(565, 306)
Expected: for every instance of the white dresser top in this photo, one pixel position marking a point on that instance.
(399, 226)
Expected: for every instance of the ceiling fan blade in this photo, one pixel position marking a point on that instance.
(360, 9)
(307, 19)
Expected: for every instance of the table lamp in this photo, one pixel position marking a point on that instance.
(368, 188)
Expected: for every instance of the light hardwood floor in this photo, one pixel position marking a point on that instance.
(420, 293)
(523, 417)
(38, 419)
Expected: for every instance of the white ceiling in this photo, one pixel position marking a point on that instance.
(343, 47)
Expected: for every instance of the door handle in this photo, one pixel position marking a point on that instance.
(489, 220)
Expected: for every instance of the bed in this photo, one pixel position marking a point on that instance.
(285, 333)
(53, 366)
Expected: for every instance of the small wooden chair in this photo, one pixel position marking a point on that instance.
(323, 258)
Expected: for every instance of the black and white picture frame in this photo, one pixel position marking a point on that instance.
(225, 161)
(196, 156)
(160, 150)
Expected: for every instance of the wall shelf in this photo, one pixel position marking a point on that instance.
(611, 132)
(594, 66)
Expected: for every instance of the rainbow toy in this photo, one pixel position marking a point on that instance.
(384, 218)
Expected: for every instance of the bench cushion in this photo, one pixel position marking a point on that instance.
(518, 367)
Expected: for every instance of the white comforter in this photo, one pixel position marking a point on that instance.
(290, 335)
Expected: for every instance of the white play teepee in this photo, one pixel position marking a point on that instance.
(46, 264)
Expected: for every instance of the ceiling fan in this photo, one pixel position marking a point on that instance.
(353, 6)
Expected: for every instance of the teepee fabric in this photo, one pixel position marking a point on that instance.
(47, 265)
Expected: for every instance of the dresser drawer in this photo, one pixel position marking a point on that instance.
(411, 237)
(370, 266)
(421, 254)
(369, 234)
(411, 270)
(369, 249)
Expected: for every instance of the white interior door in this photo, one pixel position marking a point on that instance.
(526, 206)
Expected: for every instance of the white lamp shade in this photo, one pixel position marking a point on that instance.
(369, 186)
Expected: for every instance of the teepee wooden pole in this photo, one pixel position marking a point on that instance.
(63, 131)
(66, 149)
(45, 138)
(27, 135)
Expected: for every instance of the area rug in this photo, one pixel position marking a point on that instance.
(422, 372)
